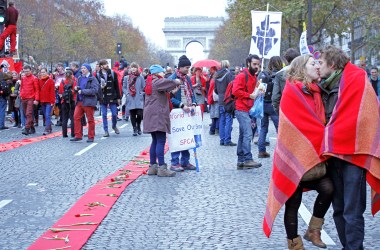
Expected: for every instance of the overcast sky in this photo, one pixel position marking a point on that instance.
(149, 15)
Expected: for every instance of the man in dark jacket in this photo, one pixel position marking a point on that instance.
(222, 78)
(280, 79)
(375, 80)
(10, 27)
(111, 95)
(87, 89)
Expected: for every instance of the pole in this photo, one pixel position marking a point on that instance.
(265, 36)
(196, 160)
(309, 20)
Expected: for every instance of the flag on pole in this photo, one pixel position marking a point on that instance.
(303, 43)
(266, 33)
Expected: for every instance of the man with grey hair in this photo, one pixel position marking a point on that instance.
(222, 78)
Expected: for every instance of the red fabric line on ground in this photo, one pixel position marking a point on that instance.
(79, 238)
(16, 144)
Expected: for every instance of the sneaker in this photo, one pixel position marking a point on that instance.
(153, 169)
(163, 171)
(90, 140)
(263, 155)
(189, 166)
(46, 132)
(240, 165)
(75, 139)
(251, 164)
(117, 131)
(139, 132)
(176, 168)
(230, 144)
(106, 134)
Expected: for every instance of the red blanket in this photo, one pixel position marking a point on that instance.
(352, 134)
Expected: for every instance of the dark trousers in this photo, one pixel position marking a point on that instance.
(349, 202)
(324, 187)
(68, 113)
(157, 148)
(136, 118)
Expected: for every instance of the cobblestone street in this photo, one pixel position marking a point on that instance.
(219, 207)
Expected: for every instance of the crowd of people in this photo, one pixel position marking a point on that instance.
(310, 101)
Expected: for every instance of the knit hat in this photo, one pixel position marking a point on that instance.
(116, 64)
(87, 66)
(154, 69)
(183, 62)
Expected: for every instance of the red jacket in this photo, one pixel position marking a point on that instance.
(47, 90)
(61, 88)
(29, 88)
(203, 82)
(242, 89)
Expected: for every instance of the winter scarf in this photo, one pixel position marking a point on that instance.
(187, 89)
(132, 83)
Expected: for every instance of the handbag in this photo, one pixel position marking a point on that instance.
(316, 172)
(257, 111)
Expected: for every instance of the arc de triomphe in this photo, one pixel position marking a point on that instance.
(181, 31)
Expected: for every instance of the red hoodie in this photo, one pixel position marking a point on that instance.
(29, 88)
(47, 90)
(242, 90)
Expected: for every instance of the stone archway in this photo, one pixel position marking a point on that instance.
(183, 31)
(195, 51)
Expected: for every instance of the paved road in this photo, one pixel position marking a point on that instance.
(217, 208)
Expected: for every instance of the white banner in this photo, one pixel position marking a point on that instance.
(303, 44)
(266, 33)
(186, 130)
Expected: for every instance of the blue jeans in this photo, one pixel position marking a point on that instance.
(184, 159)
(157, 148)
(22, 116)
(349, 202)
(245, 136)
(3, 106)
(268, 112)
(113, 108)
(214, 125)
(46, 110)
(225, 126)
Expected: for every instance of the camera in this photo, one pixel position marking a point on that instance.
(77, 89)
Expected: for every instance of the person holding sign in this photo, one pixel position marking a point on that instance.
(183, 97)
(157, 119)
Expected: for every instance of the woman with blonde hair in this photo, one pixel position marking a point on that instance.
(298, 164)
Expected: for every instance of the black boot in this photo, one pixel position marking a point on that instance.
(25, 131)
(32, 130)
(139, 130)
(134, 131)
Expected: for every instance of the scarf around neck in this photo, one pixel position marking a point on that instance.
(330, 82)
(132, 83)
(187, 88)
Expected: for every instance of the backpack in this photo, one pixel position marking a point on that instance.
(229, 98)
(268, 79)
(5, 90)
(67, 94)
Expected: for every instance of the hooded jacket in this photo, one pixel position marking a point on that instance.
(222, 79)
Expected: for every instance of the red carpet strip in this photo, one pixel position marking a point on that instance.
(16, 144)
(74, 229)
